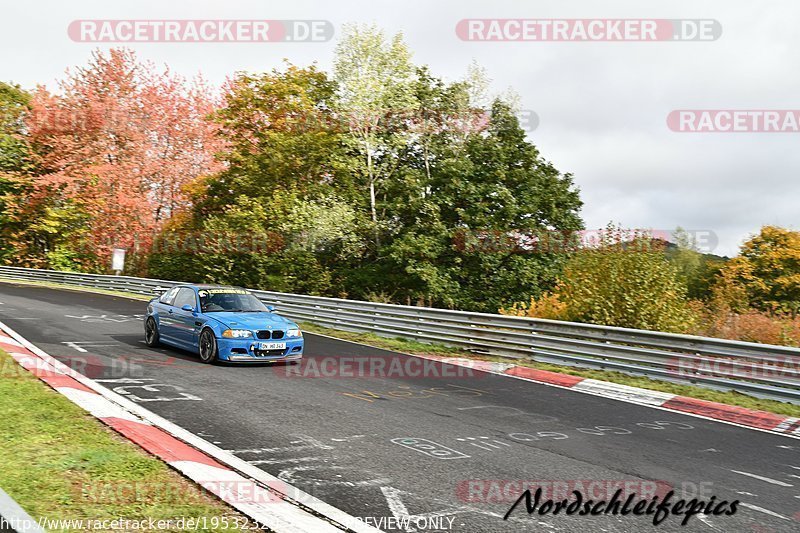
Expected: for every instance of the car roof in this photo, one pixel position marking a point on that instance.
(210, 286)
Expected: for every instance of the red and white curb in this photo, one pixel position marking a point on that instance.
(253, 492)
(740, 416)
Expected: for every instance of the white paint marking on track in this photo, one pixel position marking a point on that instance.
(706, 521)
(304, 442)
(762, 478)
(288, 460)
(289, 476)
(79, 345)
(765, 511)
(75, 346)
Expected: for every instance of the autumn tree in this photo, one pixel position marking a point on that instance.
(286, 184)
(115, 145)
(768, 269)
(625, 281)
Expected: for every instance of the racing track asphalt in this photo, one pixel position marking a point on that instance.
(342, 438)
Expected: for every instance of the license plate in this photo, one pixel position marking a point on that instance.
(272, 346)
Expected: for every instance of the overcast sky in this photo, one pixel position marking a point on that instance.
(602, 105)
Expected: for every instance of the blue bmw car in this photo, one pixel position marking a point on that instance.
(221, 324)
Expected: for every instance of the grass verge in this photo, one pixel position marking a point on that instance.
(701, 393)
(61, 463)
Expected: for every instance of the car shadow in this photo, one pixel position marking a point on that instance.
(141, 353)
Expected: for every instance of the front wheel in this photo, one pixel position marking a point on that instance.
(208, 346)
(151, 336)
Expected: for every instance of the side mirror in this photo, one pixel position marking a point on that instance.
(188, 308)
(271, 308)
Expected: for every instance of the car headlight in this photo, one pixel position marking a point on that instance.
(237, 333)
(294, 332)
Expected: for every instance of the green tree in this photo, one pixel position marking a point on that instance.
(697, 270)
(626, 281)
(491, 181)
(375, 77)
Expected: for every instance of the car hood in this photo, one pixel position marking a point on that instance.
(250, 320)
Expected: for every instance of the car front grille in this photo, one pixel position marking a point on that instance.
(267, 334)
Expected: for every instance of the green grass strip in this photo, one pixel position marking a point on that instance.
(61, 463)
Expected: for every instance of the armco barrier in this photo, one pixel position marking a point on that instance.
(757, 369)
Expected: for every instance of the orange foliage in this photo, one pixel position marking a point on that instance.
(120, 141)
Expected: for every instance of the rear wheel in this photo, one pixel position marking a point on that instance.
(151, 336)
(208, 346)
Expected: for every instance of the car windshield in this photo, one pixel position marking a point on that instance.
(230, 300)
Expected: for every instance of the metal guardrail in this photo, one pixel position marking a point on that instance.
(757, 369)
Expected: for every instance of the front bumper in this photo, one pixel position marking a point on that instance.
(246, 350)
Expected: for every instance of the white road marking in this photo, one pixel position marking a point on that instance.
(289, 476)
(765, 511)
(153, 387)
(762, 478)
(745, 493)
(345, 439)
(706, 521)
(79, 345)
(279, 461)
(304, 441)
(482, 444)
(74, 345)
(429, 448)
